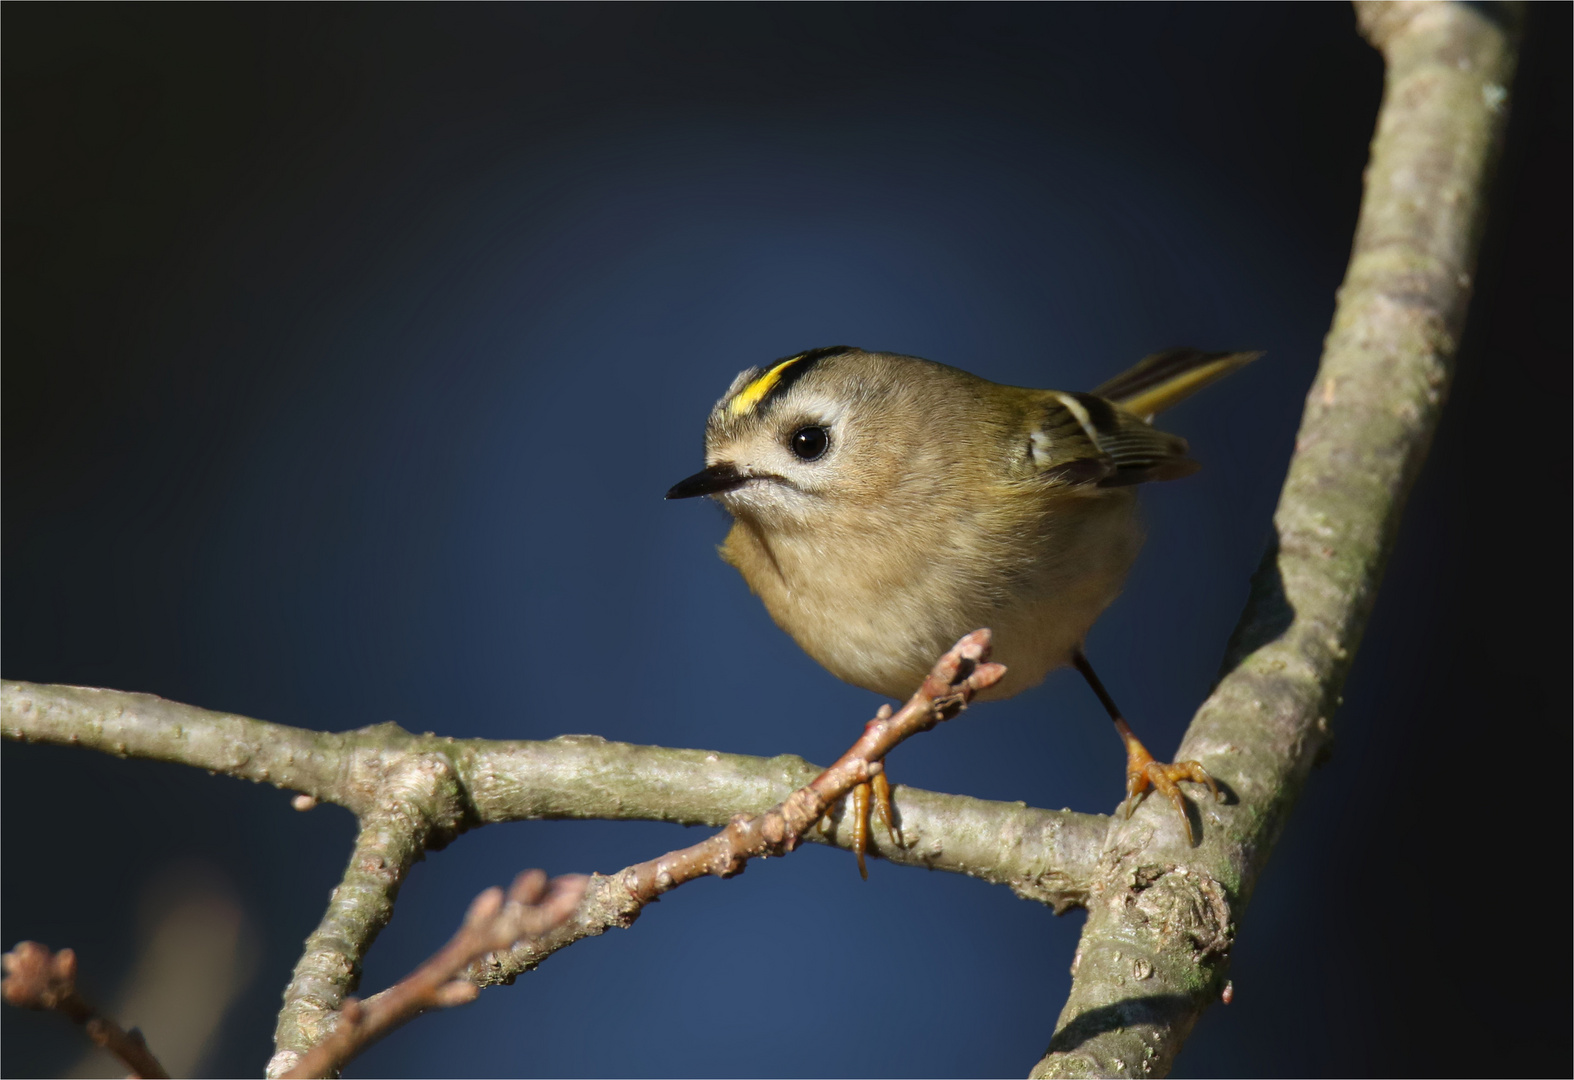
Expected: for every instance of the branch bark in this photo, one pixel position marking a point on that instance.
(494, 922)
(617, 900)
(331, 959)
(1042, 855)
(1162, 917)
(415, 793)
(329, 969)
(1162, 914)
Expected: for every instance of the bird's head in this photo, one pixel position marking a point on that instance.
(796, 441)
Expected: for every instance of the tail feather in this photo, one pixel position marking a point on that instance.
(1168, 378)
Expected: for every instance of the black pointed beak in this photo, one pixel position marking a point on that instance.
(717, 478)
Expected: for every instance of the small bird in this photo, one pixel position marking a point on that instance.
(885, 505)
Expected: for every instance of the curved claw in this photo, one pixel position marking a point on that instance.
(883, 809)
(1164, 778)
(876, 795)
(1142, 771)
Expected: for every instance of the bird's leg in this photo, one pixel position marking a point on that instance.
(1141, 770)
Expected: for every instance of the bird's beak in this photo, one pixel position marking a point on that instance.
(710, 481)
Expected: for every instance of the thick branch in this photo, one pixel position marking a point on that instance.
(320, 764)
(361, 905)
(1042, 855)
(1162, 919)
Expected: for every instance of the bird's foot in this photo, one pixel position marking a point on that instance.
(1143, 772)
(877, 791)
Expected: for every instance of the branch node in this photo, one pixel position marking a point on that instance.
(533, 906)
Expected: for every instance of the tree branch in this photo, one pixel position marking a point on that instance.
(1162, 918)
(494, 922)
(1163, 914)
(36, 978)
(616, 901)
(414, 793)
(361, 905)
(1042, 855)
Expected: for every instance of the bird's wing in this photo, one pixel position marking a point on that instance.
(1167, 378)
(1083, 440)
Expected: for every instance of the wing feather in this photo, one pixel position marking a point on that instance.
(1085, 440)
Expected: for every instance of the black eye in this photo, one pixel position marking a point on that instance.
(809, 442)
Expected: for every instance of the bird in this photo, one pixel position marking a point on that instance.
(884, 505)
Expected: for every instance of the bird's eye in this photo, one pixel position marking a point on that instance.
(809, 442)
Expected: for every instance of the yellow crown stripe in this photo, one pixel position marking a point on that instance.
(751, 395)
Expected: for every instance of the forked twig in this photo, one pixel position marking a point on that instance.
(494, 922)
(618, 899)
(604, 902)
(37, 978)
(956, 677)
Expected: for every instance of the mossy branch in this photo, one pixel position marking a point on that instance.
(1163, 915)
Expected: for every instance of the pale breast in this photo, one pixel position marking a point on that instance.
(879, 607)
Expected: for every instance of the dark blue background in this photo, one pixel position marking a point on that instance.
(349, 350)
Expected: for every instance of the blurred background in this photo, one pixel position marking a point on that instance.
(349, 350)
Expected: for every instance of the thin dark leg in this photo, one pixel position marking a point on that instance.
(1142, 770)
(1080, 662)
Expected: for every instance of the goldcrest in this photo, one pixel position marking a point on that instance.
(885, 505)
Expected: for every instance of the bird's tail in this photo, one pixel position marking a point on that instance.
(1167, 378)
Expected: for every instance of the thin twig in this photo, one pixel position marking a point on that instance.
(617, 900)
(956, 677)
(36, 978)
(494, 922)
(389, 844)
